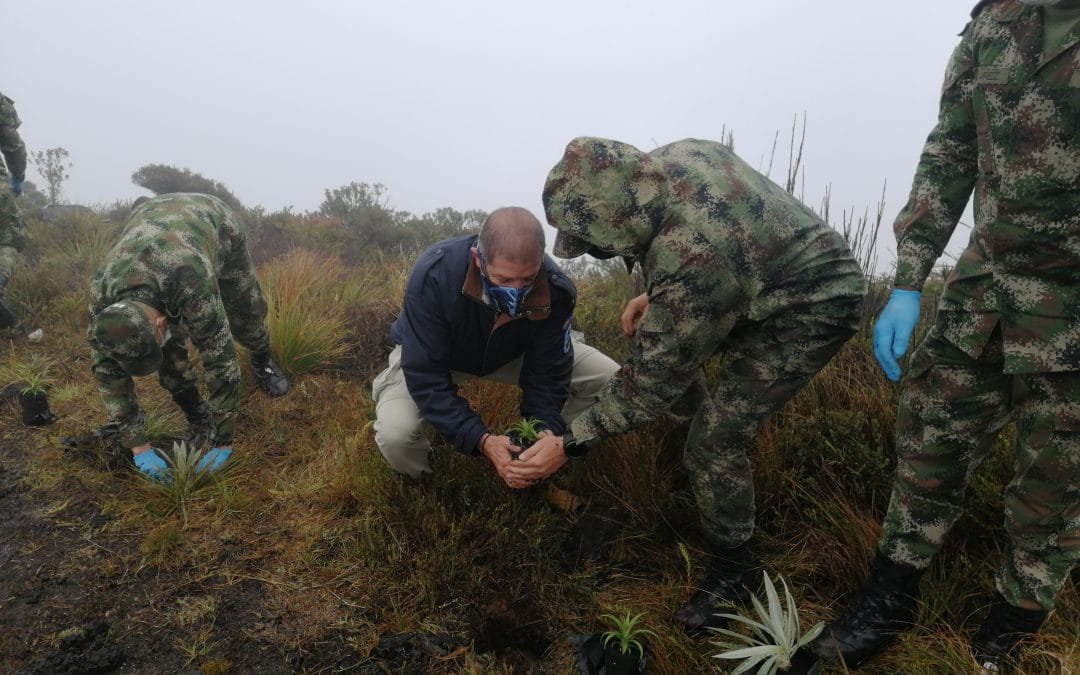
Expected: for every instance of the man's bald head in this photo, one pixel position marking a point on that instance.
(512, 233)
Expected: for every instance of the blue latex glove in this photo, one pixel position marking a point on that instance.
(16, 185)
(153, 465)
(892, 332)
(213, 460)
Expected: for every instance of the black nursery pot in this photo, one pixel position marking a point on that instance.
(515, 439)
(617, 662)
(35, 409)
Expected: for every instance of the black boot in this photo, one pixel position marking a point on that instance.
(7, 318)
(883, 609)
(724, 585)
(200, 423)
(997, 641)
(271, 378)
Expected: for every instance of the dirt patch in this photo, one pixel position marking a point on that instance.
(414, 653)
(83, 651)
(513, 629)
(77, 598)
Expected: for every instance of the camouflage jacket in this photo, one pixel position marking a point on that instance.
(11, 144)
(169, 255)
(718, 244)
(1009, 130)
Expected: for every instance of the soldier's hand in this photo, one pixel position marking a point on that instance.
(498, 451)
(540, 460)
(634, 314)
(893, 329)
(16, 185)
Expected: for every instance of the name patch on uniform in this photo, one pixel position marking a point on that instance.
(1075, 81)
(992, 75)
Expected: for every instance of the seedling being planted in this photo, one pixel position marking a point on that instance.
(776, 643)
(623, 649)
(34, 382)
(524, 433)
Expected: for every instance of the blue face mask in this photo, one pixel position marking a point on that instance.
(506, 299)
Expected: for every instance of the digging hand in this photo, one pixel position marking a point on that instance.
(16, 185)
(634, 314)
(540, 460)
(893, 329)
(214, 459)
(151, 463)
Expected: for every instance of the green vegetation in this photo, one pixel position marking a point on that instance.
(53, 165)
(162, 178)
(305, 294)
(33, 374)
(526, 430)
(313, 550)
(186, 480)
(775, 635)
(626, 632)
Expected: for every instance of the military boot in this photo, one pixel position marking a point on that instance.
(883, 609)
(724, 585)
(7, 318)
(200, 424)
(271, 378)
(998, 640)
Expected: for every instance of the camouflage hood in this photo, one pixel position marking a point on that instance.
(607, 196)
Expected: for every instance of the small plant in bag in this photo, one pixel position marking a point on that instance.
(524, 433)
(623, 649)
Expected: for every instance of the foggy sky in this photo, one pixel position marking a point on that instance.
(469, 103)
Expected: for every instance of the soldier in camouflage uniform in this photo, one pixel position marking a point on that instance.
(733, 265)
(1005, 345)
(12, 229)
(181, 269)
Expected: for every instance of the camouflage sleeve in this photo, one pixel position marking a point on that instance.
(207, 324)
(11, 144)
(118, 394)
(681, 331)
(945, 176)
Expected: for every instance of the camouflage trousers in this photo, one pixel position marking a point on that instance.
(767, 363)
(952, 407)
(245, 308)
(12, 228)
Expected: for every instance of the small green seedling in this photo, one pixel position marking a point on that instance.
(774, 637)
(34, 375)
(626, 632)
(527, 431)
(186, 479)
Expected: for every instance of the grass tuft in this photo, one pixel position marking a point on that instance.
(305, 298)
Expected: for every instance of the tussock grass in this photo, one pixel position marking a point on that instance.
(305, 296)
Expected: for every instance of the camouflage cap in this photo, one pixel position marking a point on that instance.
(125, 333)
(604, 195)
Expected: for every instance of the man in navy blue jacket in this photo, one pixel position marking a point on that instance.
(492, 306)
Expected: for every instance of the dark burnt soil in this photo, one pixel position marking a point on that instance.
(78, 596)
(74, 598)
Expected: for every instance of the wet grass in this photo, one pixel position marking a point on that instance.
(312, 549)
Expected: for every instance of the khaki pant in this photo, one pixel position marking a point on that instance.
(399, 429)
